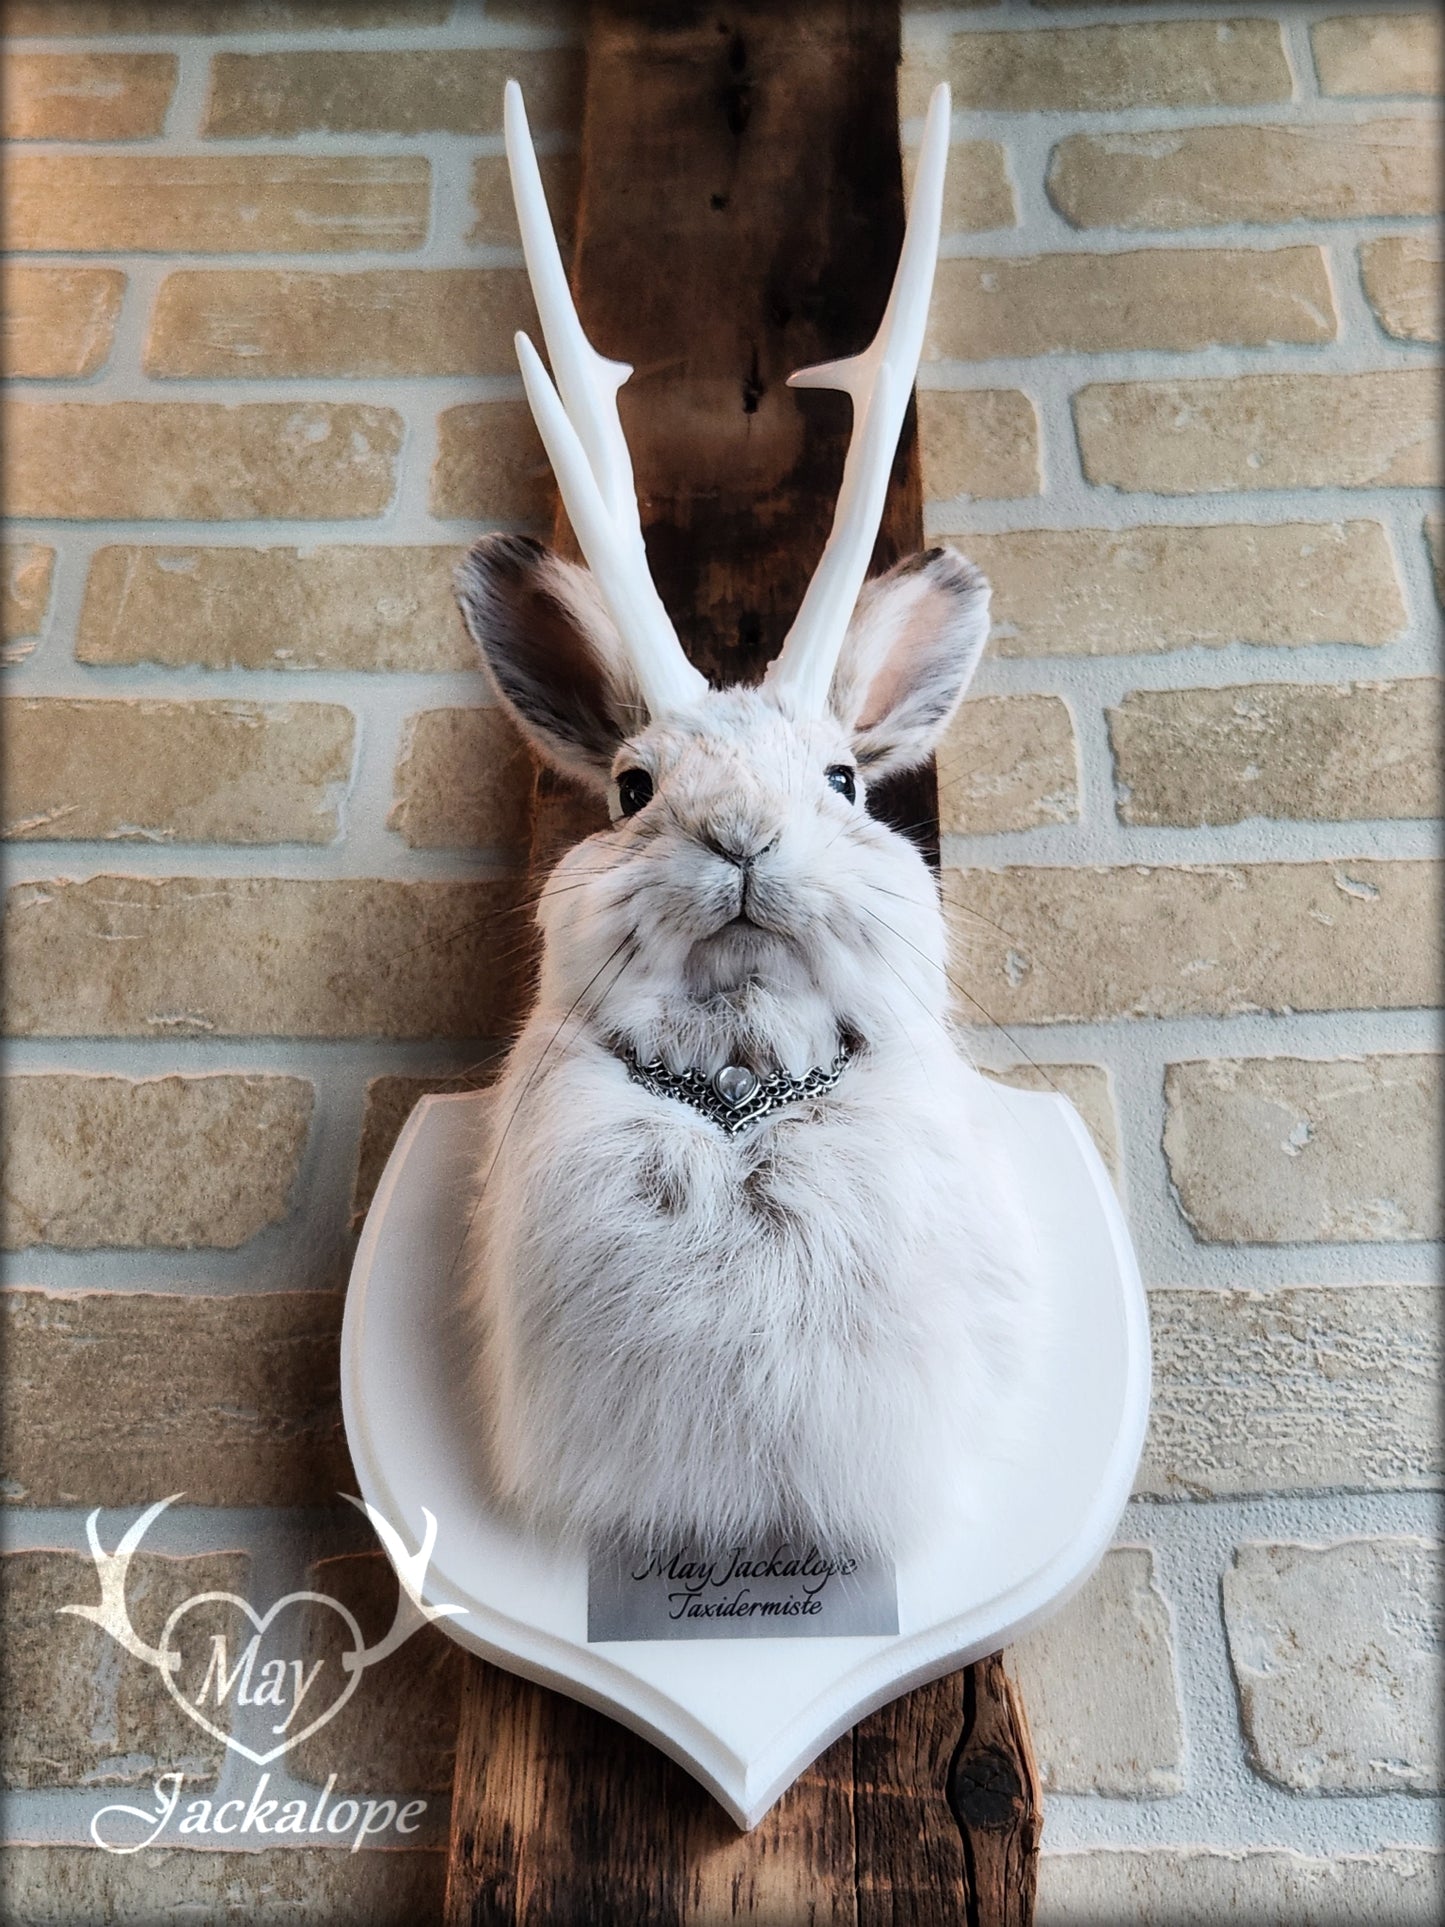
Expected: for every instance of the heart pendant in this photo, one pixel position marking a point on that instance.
(735, 1084)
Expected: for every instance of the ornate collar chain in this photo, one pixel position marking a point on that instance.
(735, 1096)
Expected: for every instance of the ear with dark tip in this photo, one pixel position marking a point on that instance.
(552, 651)
(911, 649)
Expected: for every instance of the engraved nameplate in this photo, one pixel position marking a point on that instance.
(775, 1589)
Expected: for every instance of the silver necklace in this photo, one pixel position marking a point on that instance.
(735, 1096)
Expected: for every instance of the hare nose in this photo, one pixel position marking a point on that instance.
(736, 847)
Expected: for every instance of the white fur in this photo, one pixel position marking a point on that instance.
(823, 1323)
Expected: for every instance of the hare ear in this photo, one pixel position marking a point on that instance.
(911, 648)
(552, 652)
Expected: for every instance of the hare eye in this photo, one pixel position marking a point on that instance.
(840, 778)
(634, 790)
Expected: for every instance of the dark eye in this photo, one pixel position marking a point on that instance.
(634, 790)
(840, 778)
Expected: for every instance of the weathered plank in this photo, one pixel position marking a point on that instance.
(741, 214)
(947, 1808)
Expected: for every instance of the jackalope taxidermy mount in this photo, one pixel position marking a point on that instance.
(744, 1256)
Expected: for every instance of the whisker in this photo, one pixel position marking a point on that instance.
(948, 974)
(967, 909)
(889, 964)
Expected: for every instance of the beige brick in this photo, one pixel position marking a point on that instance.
(1293, 1390)
(1161, 298)
(85, 96)
(1098, 1680)
(1036, 945)
(1008, 763)
(199, 16)
(58, 322)
(1173, 63)
(208, 772)
(1200, 176)
(334, 90)
(390, 1101)
(464, 780)
(977, 192)
(1087, 1088)
(177, 1161)
(218, 204)
(1287, 1150)
(319, 608)
(1336, 1656)
(1205, 1886)
(398, 1735)
(1402, 281)
(495, 225)
(390, 321)
(977, 442)
(79, 1713)
(29, 567)
(301, 1886)
(1375, 53)
(124, 956)
(1139, 591)
(1263, 431)
(200, 462)
(1284, 750)
(116, 1398)
(491, 466)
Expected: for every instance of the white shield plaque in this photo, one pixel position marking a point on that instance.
(745, 1715)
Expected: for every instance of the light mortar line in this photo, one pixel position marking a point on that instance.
(124, 362)
(187, 1530)
(981, 123)
(1101, 839)
(1070, 504)
(402, 392)
(466, 32)
(193, 88)
(1096, 769)
(1250, 237)
(1108, 679)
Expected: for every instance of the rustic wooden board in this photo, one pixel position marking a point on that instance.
(741, 214)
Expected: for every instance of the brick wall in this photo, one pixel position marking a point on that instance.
(1179, 404)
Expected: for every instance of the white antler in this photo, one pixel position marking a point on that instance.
(582, 433)
(880, 380)
(112, 1614)
(412, 1611)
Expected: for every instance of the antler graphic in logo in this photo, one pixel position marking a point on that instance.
(112, 1614)
(271, 1688)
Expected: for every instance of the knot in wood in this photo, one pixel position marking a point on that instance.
(984, 1790)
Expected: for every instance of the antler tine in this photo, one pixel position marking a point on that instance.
(880, 381)
(582, 433)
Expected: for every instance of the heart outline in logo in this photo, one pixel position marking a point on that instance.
(352, 1662)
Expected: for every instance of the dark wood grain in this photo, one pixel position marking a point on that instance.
(947, 1806)
(741, 214)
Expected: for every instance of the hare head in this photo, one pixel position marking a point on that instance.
(742, 868)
